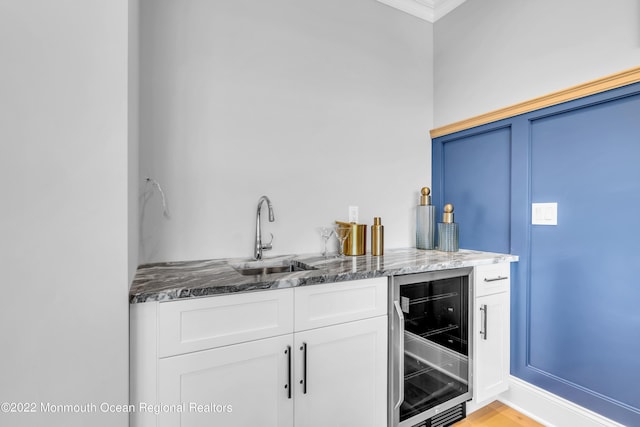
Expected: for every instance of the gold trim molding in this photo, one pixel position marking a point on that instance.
(612, 81)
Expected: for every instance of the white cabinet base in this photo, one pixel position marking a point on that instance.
(492, 374)
(491, 342)
(234, 360)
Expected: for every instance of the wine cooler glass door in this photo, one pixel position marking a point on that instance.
(434, 328)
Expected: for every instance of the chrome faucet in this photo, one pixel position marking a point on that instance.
(259, 247)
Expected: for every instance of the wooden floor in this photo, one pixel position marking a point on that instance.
(497, 414)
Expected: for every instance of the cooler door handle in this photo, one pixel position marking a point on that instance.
(396, 304)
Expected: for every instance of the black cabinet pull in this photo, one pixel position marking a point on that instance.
(303, 348)
(495, 279)
(288, 386)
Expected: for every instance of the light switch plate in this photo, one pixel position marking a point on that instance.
(544, 213)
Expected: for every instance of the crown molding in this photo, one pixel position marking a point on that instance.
(445, 6)
(429, 10)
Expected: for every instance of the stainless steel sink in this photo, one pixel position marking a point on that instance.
(259, 268)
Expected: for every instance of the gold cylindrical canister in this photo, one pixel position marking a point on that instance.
(377, 237)
(356, 242)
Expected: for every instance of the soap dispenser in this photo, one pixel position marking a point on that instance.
(448, 231)
(425, 221)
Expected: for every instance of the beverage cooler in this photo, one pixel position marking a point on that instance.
(430, 348)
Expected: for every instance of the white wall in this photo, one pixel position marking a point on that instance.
(317, 104)
(491, 54)
(63, 222)
(133, 135)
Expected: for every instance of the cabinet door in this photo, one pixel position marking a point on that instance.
(335, 303)
(235, 386)
(191, 325)
(491, 319)
(345, 368)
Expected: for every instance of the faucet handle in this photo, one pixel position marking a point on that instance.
(268, 246)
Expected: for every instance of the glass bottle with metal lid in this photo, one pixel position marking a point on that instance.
(448, 231)
(425, 221)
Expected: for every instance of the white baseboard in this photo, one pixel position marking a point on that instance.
(549, 409)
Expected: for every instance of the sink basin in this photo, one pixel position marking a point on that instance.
(258, 268)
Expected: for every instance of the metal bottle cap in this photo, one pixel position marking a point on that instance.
(425, 198)
(447, 216)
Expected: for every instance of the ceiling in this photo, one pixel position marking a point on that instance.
(429, 10)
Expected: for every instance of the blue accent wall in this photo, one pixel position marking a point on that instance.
(471, 165)
(575, 326)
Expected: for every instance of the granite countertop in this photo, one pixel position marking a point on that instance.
(188, 279)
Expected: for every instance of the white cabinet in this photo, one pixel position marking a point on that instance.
(212, 361)
(341, 354)
(197, 324)
(247, 359)
(334, 303)
(491, 331)
(341, 369)
(233, 386)
(345, 367)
